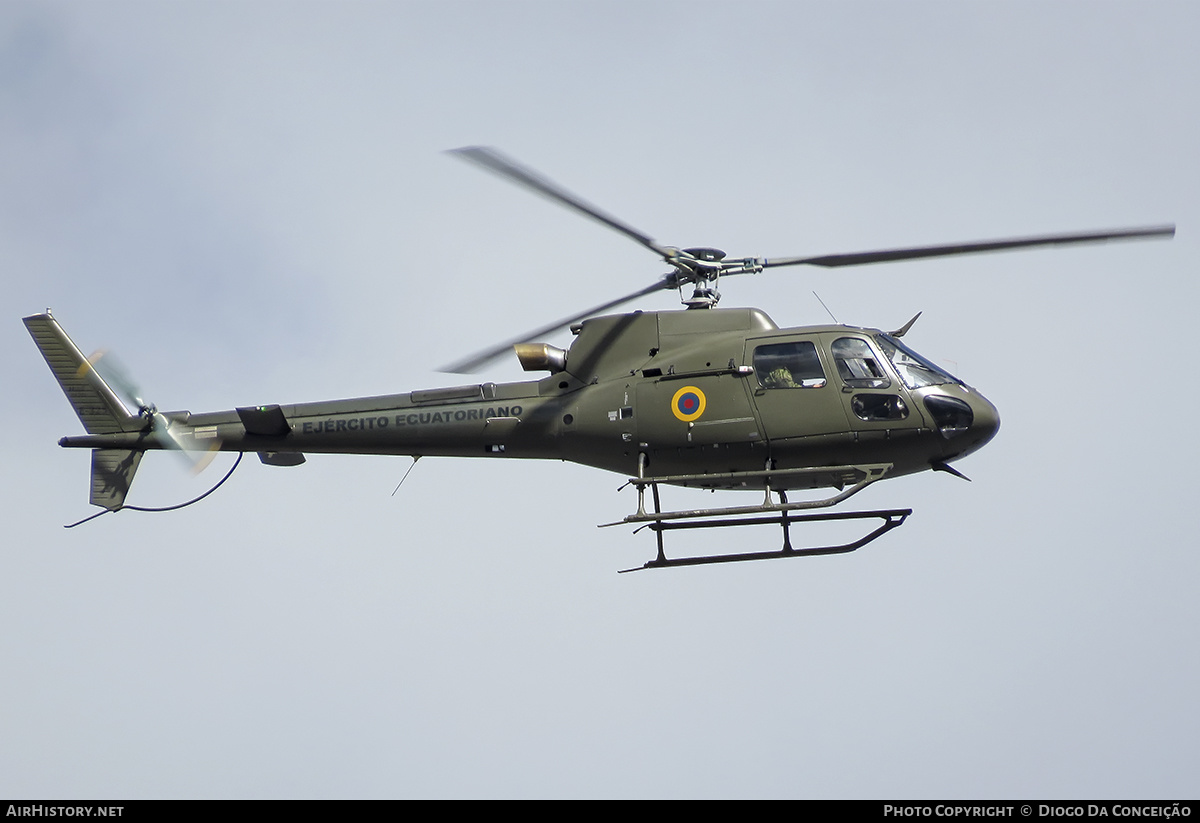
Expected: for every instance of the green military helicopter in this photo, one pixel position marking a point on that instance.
(707, 398)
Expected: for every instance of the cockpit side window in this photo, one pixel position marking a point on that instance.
(857, 365)
(793, 365)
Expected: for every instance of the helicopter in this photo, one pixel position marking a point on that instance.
(704, 397)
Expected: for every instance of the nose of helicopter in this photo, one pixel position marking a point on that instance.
(965, 418)
(986, 423)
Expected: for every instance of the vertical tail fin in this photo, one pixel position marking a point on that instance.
(112, 473)
(98, 406)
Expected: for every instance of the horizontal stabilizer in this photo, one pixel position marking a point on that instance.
(112, 472)
(98, 406)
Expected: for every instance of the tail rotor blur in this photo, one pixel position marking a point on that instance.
(103, 367)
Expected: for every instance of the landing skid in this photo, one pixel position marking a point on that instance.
(891, 519)
(767, 513)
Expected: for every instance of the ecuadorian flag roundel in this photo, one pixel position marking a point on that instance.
(688, 403)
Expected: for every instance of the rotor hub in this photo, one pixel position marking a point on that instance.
(707, 254)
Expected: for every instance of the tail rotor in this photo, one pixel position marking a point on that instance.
(102, 367)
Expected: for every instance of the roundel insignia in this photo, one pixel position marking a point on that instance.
(688, 403)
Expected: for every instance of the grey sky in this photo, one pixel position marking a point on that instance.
(248, 201)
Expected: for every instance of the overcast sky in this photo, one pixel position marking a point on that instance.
(249, 202)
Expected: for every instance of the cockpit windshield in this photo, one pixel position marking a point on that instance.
(913, 369)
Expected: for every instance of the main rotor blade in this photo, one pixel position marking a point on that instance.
(478, 360)
(862, 258)
(496, 162)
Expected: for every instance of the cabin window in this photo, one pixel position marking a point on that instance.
(793, 365)
(857, 364)
(879, 407)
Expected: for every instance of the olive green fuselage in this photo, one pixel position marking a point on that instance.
(692, 392)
